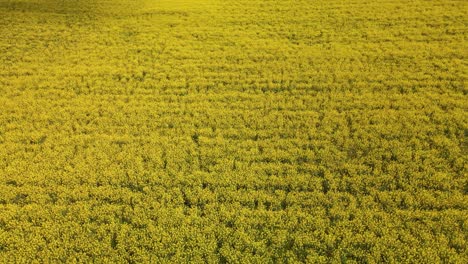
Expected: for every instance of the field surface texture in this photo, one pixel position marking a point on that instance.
(233, 131)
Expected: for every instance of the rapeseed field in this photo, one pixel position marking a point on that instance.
(233, 131)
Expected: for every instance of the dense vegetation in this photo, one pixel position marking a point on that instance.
(233, 131)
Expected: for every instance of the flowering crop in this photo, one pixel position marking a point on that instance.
(259, 131)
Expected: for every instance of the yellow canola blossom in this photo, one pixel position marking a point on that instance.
(233, 131)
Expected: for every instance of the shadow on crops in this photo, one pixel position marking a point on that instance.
(66, 7)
